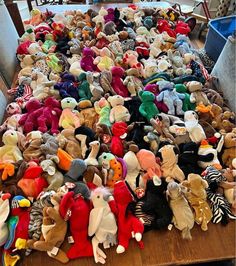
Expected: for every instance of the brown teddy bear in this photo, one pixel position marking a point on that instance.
(229, 148)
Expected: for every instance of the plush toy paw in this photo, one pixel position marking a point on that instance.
(43, 129)
(20, 243)
(120, 249)
(138, 236)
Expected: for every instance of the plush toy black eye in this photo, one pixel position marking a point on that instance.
(104, 157)
(98, 197)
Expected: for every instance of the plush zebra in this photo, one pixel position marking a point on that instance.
(219, 205)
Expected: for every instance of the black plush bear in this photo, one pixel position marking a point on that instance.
(155, 206)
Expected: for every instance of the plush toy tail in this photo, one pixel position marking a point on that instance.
(186, 233)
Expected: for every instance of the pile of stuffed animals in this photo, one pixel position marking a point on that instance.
(114, 128)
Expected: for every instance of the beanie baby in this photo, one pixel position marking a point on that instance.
(119, 131)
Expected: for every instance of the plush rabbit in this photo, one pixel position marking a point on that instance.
(102, 223)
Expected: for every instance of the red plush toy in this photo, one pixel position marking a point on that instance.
(29, 120)
(76, 210)
(119, 131)
(117, 82)
(182, 28)
(41, 31)
(23, 47)
(128, 225)
(32, 183)
(163, 25)
(142, 48)
(50, 115)
(103, 42)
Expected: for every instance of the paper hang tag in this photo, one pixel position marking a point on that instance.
(170, 226)
(54, 251)
(70, 240)
(156, 181)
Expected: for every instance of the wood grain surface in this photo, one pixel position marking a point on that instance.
(161, 248)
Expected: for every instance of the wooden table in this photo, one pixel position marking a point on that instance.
(161, 248)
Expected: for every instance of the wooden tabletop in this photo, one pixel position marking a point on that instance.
(161, 248)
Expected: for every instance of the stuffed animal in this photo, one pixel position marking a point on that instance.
(5, 210)
(229, 148)
(67, 87)
(183, 45)
(69, 118)
(133, 104)
(178, 64)
(128, 225)
(219, 205)
(9, 152)
(92, 157)
(187, 104)
(105, 82)
(197, 95)
(32, 146)
(84, 90)
(170, 97)
(169, 166)
(119, 132)
(75, 46)
(102, 223)
(196, 132)
(117, 82)
(132, 82)
(102, 107)
(197, 198)
(147, 161)
(75, 209)
(104, 59)
(150, 67)
(94, 86)
(118, 113)
(147, 109)
(183, 218)
(87, 60)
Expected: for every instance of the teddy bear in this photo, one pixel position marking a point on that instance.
(84, 87)
(87, 60)
(10, 152)
(132, 82)
(150, 67)
(105, 82)
(170, 97)
(130, 58)
(70, 118)
(197, 95)
(197, 198)
(100, 17)
(129, 226)
(119, 132)
(183, 218)
(118, 111)
(67, 86)
(182, 44)
(75, 46)
(187, 104)
(103, 109)
(148, 108)
(32, 149)
(169, 166)
(49, 118)
(94, 86)
(229, 152)
(178, 64)
(104, 59)
(49, 146)
(117, 82)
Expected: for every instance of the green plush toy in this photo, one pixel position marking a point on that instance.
(54, 63)
(187, 105)
(84, 87)
(148, 109)
(49, 46)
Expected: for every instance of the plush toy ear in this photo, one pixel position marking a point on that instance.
(95, 219)
(204, 183)
(185, 184)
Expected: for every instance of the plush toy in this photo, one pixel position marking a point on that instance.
(76, 210)
(150, 67)
(169, 165)
(119, 132)
(49, 147)
(9, 152)
(219, 205)
(183, 218)
(100, 18)
(133, 83)
(187, 104)
(205, 150)
(182, 44)
(130, 58)
(128, 224)
(196, 132)
(32, 182)
(147, 109)
(5, 210)
(32, 146)
(197, 198)
(136, 135)
(84, 90)
(103, 108)
(163, 25)
(18, 228)
(104, 59)
(147, 161)
(182, 28)
(67, 86)
(118, 112)
(75, 46)
(117, 82)
(197, 95)
(92, 157)
(170, 97)
(102, 223)
(117, 51)
(69, 118)
(133, 104)
(178, 64)
(105, 82)
(94, 86)
(229, 148)
(87, 60)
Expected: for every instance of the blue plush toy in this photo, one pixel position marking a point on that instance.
(170, 97)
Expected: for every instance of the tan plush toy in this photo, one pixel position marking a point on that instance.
(183, 218)
(197, 95)
(197, 197)
(118, 112)
(92, 157)
(169, 165)
(32, 148)
(229, 148)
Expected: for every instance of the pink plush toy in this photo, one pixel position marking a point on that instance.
(147, 161)
(117, 82)
(49, 118)
(130, 58)
(29, 120)
(154, 89)
(87, 59)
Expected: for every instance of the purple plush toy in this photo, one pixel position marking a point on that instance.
(110, 16)
(87, 59)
